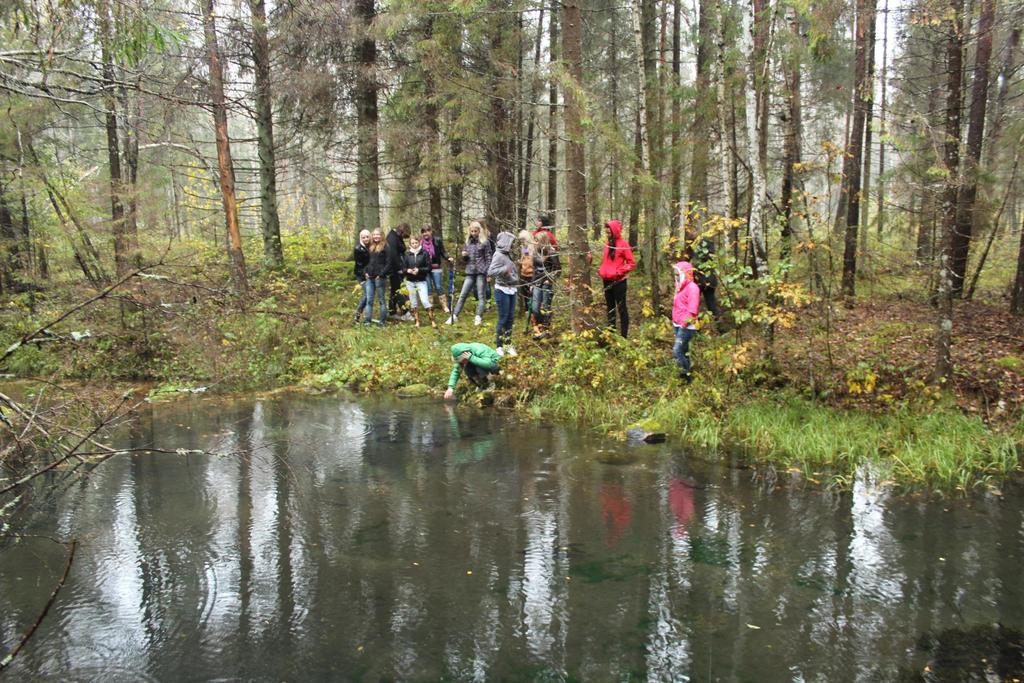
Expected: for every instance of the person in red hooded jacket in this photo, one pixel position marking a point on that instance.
(616, 265)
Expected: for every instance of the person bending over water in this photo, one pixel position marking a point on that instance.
(477, 361)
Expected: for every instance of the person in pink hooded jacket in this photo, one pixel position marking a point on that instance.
(684, 316)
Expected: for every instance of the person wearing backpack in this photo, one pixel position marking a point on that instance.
(702, 258)
(546, 268)
(527, 246)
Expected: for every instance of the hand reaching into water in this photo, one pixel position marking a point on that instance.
(448, 393)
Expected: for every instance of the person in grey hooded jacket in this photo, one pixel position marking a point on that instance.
(506, 281)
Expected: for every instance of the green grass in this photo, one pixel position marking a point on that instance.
(943, 449)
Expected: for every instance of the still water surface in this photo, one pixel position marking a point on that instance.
(335, 539)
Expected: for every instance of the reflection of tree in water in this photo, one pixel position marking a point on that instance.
(988, 652)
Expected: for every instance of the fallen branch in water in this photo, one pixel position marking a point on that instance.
(6, 661)
(72, 452)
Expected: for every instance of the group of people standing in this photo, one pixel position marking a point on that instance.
(383, 264)
(522, 279)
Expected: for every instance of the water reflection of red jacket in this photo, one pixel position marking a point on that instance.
(680, 501)
(616, 511)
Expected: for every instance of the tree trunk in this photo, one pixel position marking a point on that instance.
(270, 224)
(791, 146)
(367, 164)
(614, 192)
(501, 151)
(868, 130)
(697, 192)
(8, 245)
(236, 257)
(634, 183)
(841, 208)
(130, 124)
(999, 106)
(855, 150)
(552, 199)
(42, 263)
(951, 159)
(524, 189)
(645, 30)
(117, 223)
(455, 191)
(433, 124)
(883, 78)
(579, 249)
(593, 180)
(676, 161)
(759, 185)
(518, 153)
(33, 250)
(726, 127)
(762, 29)
(968, 193)
(179, 229)
(1017, 299)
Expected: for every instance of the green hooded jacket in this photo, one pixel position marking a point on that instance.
(480, 355)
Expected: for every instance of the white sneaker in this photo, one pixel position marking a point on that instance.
(501, 351)
(407, 317)
(451, 320)
(512, 351)
(477, 320)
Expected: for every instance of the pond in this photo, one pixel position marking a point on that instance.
(334, 538)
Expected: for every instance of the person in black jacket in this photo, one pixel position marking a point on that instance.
(546, 270)
(361, 257)
(395, 248)
(701, 254)
(377, 272)
(416, 268)
(433, 245)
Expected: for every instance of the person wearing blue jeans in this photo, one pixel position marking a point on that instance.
(376, 272)
(506, 317)
(681, 349)
(476, 253)
(375, 288)
(546, 269)
(506, 280)
(685, 305)
(478, 283)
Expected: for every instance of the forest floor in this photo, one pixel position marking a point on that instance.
(844, 386)
(892, 341)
